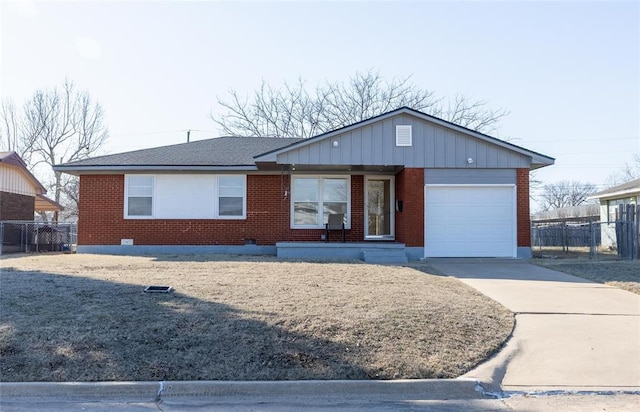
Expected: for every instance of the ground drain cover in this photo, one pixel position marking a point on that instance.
(158, 289)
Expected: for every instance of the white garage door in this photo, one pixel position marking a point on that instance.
(470, 221)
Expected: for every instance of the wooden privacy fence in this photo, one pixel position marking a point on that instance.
(628, 231)
(621, 235)
(565, 234)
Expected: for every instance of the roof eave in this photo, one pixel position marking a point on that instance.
(78, 170)
(608, 196)
(44, 204)
(15, 160)
(538, 157)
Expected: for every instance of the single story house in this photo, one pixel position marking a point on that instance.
(409, 186)
(625, 194)
(21, 194)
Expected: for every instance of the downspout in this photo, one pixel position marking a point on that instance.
(283, 199)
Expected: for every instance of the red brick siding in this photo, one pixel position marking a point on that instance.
(410, 222)
(14, 206)
(522, 205)
(355, 234)
(101, 217)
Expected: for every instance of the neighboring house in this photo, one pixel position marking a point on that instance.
(404, 179)
(21, 194)
(624, 194)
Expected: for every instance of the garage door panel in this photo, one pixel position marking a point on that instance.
(469, 221)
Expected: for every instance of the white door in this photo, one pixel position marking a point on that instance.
(470, 221)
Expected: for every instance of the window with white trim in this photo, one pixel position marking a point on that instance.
(231, 196)
(314, 198)
(139, 196)
(182, 196)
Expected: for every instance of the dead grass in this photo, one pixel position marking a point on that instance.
(573, 252)
(85, 318)
(623, 274)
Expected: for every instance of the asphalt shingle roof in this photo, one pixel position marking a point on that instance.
(634, 184)
(221, 151)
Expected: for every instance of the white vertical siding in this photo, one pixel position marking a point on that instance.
(13, 180)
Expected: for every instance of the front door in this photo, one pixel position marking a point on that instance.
(379, 208)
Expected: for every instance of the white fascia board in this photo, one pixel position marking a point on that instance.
(622, 193)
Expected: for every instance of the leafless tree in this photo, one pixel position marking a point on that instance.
(292, 111)
(61, 125)
(628, 172)
(565, 194)
(10, 128)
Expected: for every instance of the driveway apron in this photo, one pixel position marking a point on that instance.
(570, 334)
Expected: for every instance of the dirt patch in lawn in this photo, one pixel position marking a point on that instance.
(623, 274)
(86, 318)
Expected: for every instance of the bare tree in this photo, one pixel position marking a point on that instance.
(565, 194)
(628, 172)
(291, 111)
(10, 128)
(62, 125)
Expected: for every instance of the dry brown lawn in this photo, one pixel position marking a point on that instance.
(623, 274)
(86, 318)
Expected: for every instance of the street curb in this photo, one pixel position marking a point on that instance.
(420, 389)
(71, 390)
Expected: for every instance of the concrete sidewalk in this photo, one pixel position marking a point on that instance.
(570, 333)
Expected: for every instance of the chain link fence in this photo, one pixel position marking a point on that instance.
(618, 240)
(29, 237)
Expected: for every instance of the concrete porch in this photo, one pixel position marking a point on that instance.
(370, 252)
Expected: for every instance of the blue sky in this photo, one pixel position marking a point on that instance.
(568, 72)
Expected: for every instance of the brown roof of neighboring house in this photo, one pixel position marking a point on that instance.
(13, 159)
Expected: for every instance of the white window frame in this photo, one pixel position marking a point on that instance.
(216, 200)
(320, 222)
(126, 197)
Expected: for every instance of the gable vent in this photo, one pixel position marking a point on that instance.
(403, 135)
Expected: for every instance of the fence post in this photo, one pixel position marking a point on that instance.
(636, 219)
(592, 242)
(633, 247)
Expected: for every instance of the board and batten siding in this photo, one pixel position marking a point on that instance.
(434, 146)
(12, 180)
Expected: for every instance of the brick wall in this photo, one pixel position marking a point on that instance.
(16, 207)
(101, 221)
(522, 204)
(410, 222)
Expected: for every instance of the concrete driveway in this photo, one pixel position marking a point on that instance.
(570, 333)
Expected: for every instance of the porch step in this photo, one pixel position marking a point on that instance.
(395, 255)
